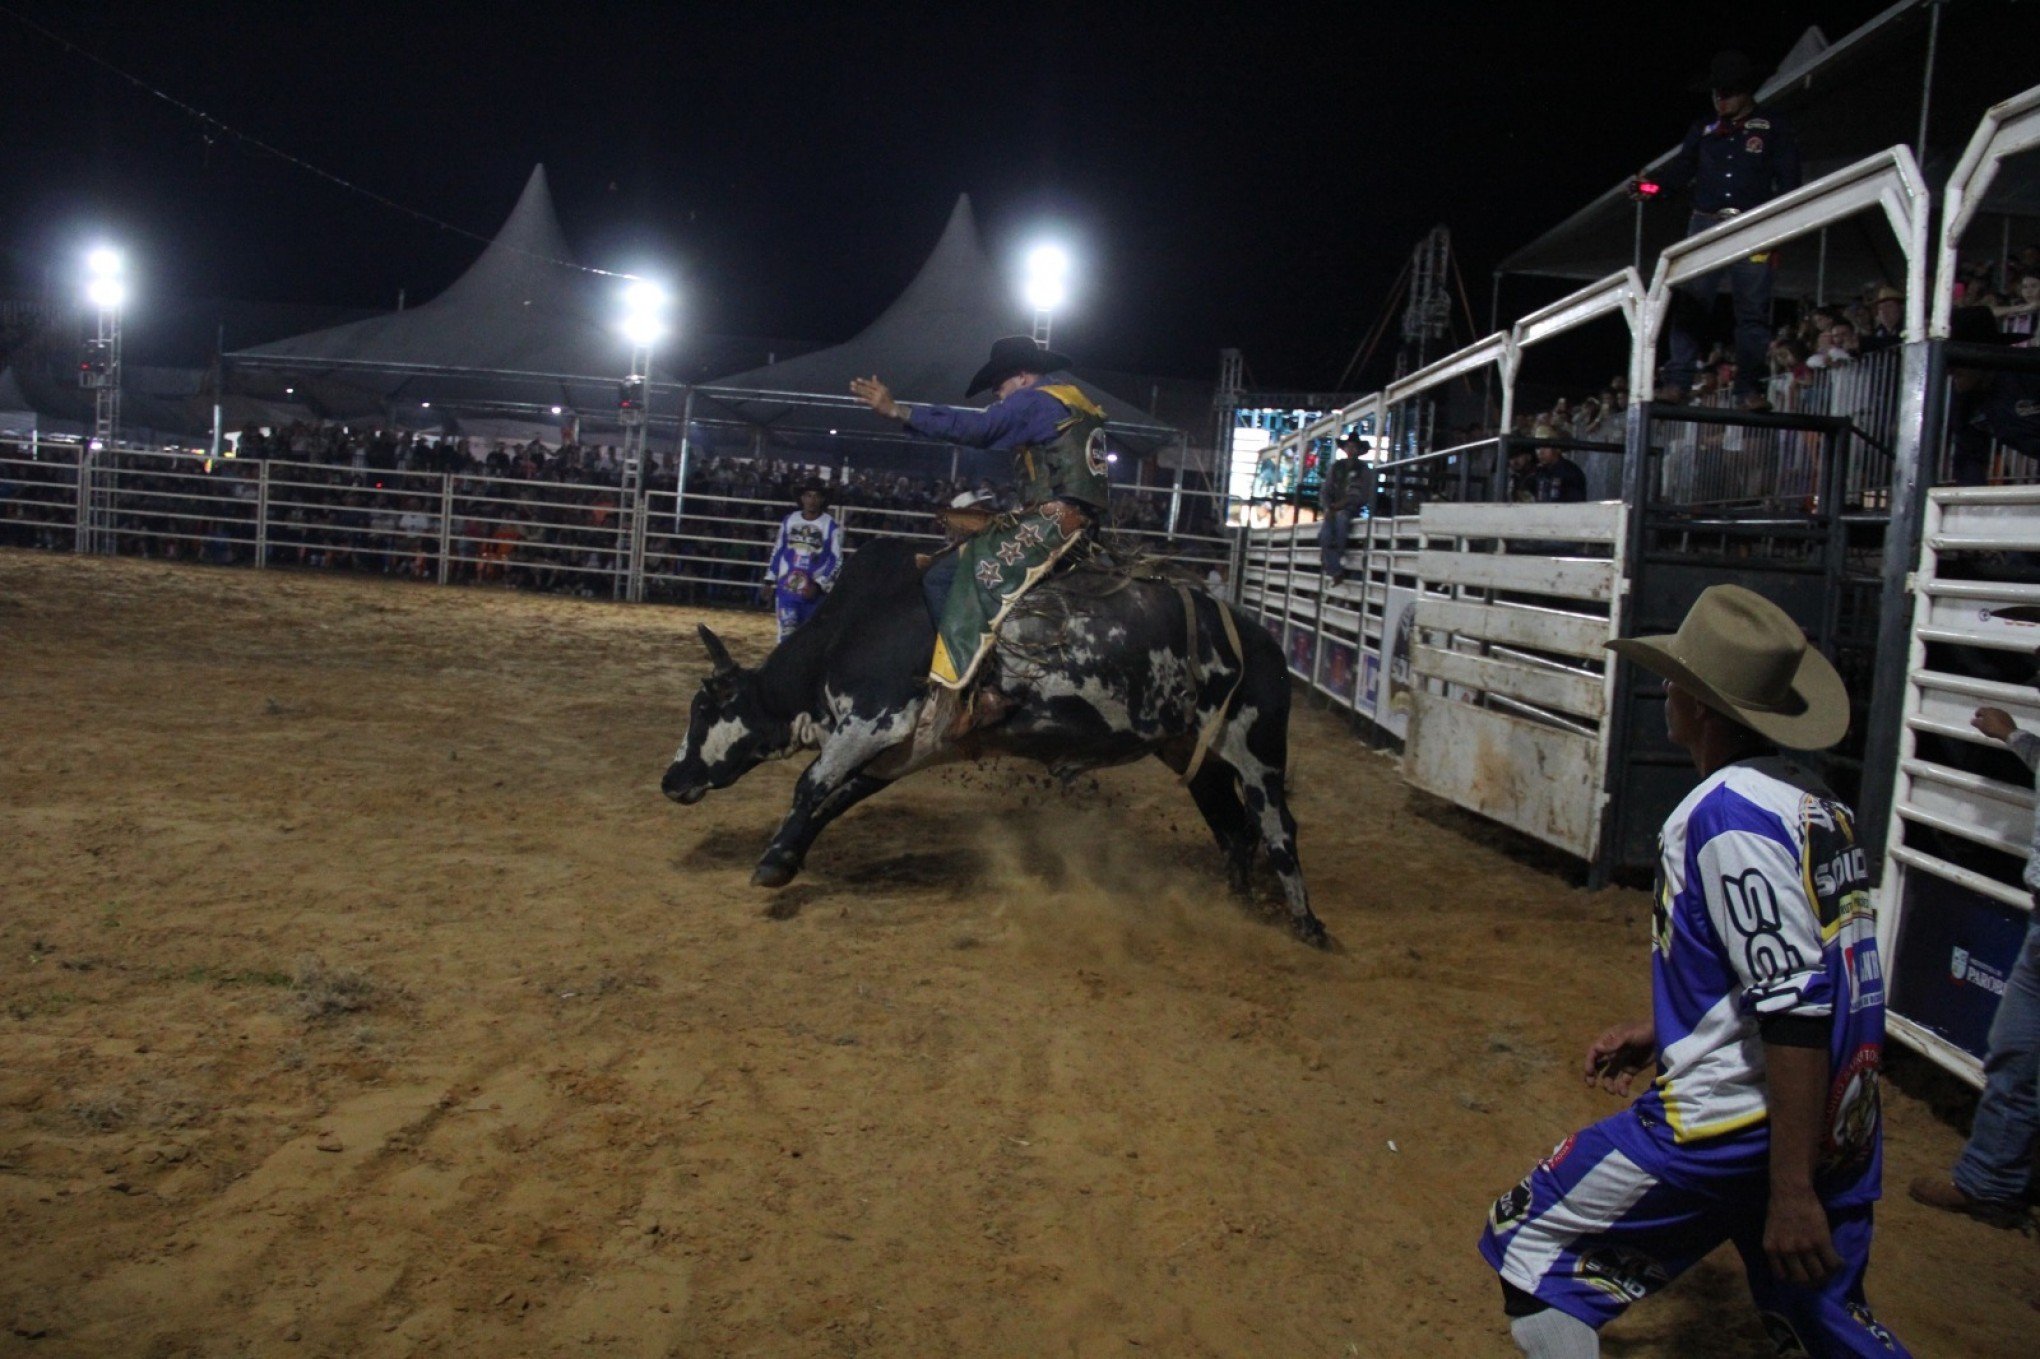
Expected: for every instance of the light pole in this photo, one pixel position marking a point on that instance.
(644, 324)
(1048, 269)
(99, 370)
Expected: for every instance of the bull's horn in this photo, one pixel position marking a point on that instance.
(725, 664)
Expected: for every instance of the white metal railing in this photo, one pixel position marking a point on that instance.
(1962, 807)
(1731, 464)
(2005, 130)
(459, 528)
(1512, 691)
(1472, 631)
(39, 496)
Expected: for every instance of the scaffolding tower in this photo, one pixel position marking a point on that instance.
(1426, 334)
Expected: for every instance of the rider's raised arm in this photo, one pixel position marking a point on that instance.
(1026, 417)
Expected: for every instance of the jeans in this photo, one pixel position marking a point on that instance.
(1693, 302)
(935, 583)
(1998, 1162)
(1334, 530)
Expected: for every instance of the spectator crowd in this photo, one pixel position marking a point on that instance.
(524, 516)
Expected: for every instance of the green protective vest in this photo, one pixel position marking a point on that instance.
(1072, 466)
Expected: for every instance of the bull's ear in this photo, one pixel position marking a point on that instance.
(725, 664)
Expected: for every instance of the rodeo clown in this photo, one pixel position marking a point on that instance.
(1766, 1032)
(1057, 437)
(805, 559)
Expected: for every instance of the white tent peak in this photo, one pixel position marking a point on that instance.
(956, 287)
(528, 259)
(1804, 53)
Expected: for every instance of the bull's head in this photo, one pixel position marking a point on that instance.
(728, 732)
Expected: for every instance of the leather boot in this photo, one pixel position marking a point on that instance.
(1938, 1191)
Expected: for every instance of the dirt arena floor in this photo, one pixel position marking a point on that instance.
(360, 996)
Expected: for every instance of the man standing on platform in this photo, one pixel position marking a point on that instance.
(1745, 157)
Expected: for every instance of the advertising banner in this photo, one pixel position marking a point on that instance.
(1398, 635)
(1339, 672)
(1302, 649)
(1954, 951)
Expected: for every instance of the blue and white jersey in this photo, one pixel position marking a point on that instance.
(807, 550)
(1763, 909)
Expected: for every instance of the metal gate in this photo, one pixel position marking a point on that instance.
(1795, 524)
(1953, 911)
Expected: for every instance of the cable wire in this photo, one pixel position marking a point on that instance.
(214, 126)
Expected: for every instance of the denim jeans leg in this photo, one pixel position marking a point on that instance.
(936, 581)
(1334, 532)
(1997, 1163)
(1749, 284)
(1692, 305)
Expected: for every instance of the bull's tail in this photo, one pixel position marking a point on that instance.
(1215, 723)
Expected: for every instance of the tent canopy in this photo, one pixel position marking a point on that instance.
(1846, 100)
(524, 329)
(926, 346)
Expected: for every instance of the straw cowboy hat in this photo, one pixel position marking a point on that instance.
(1744, 657)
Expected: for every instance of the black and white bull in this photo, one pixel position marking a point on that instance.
(1087, 678)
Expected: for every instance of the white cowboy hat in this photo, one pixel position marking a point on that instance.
(1744, 657)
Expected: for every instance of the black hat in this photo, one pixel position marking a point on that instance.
(1015, 354)
(815, 484)
(1355, 441)
(1731, 73)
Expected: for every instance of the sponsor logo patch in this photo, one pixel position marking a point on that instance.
(1866, 974)
(1559, 1153)
(1094, 452)
(1755, 146)
(1511, 1208)
(1619, 1270)
(1969, 970)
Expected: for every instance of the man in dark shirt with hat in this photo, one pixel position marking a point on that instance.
(1744, 158)
(1347, 487)
(1057, 437)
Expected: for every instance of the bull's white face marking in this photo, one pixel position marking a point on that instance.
(721, 739)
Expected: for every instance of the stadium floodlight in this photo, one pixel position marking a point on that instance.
(1048, 271)
(644, 307)
(105, 288)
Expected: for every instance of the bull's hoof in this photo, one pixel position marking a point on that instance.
(1311, 931)
(775, 871)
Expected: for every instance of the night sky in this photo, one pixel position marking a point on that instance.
(1227, 175)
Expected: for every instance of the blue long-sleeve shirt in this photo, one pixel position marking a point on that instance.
(1735, 163)
(1028, 417)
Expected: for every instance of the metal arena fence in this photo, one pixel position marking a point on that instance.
(663, 544)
